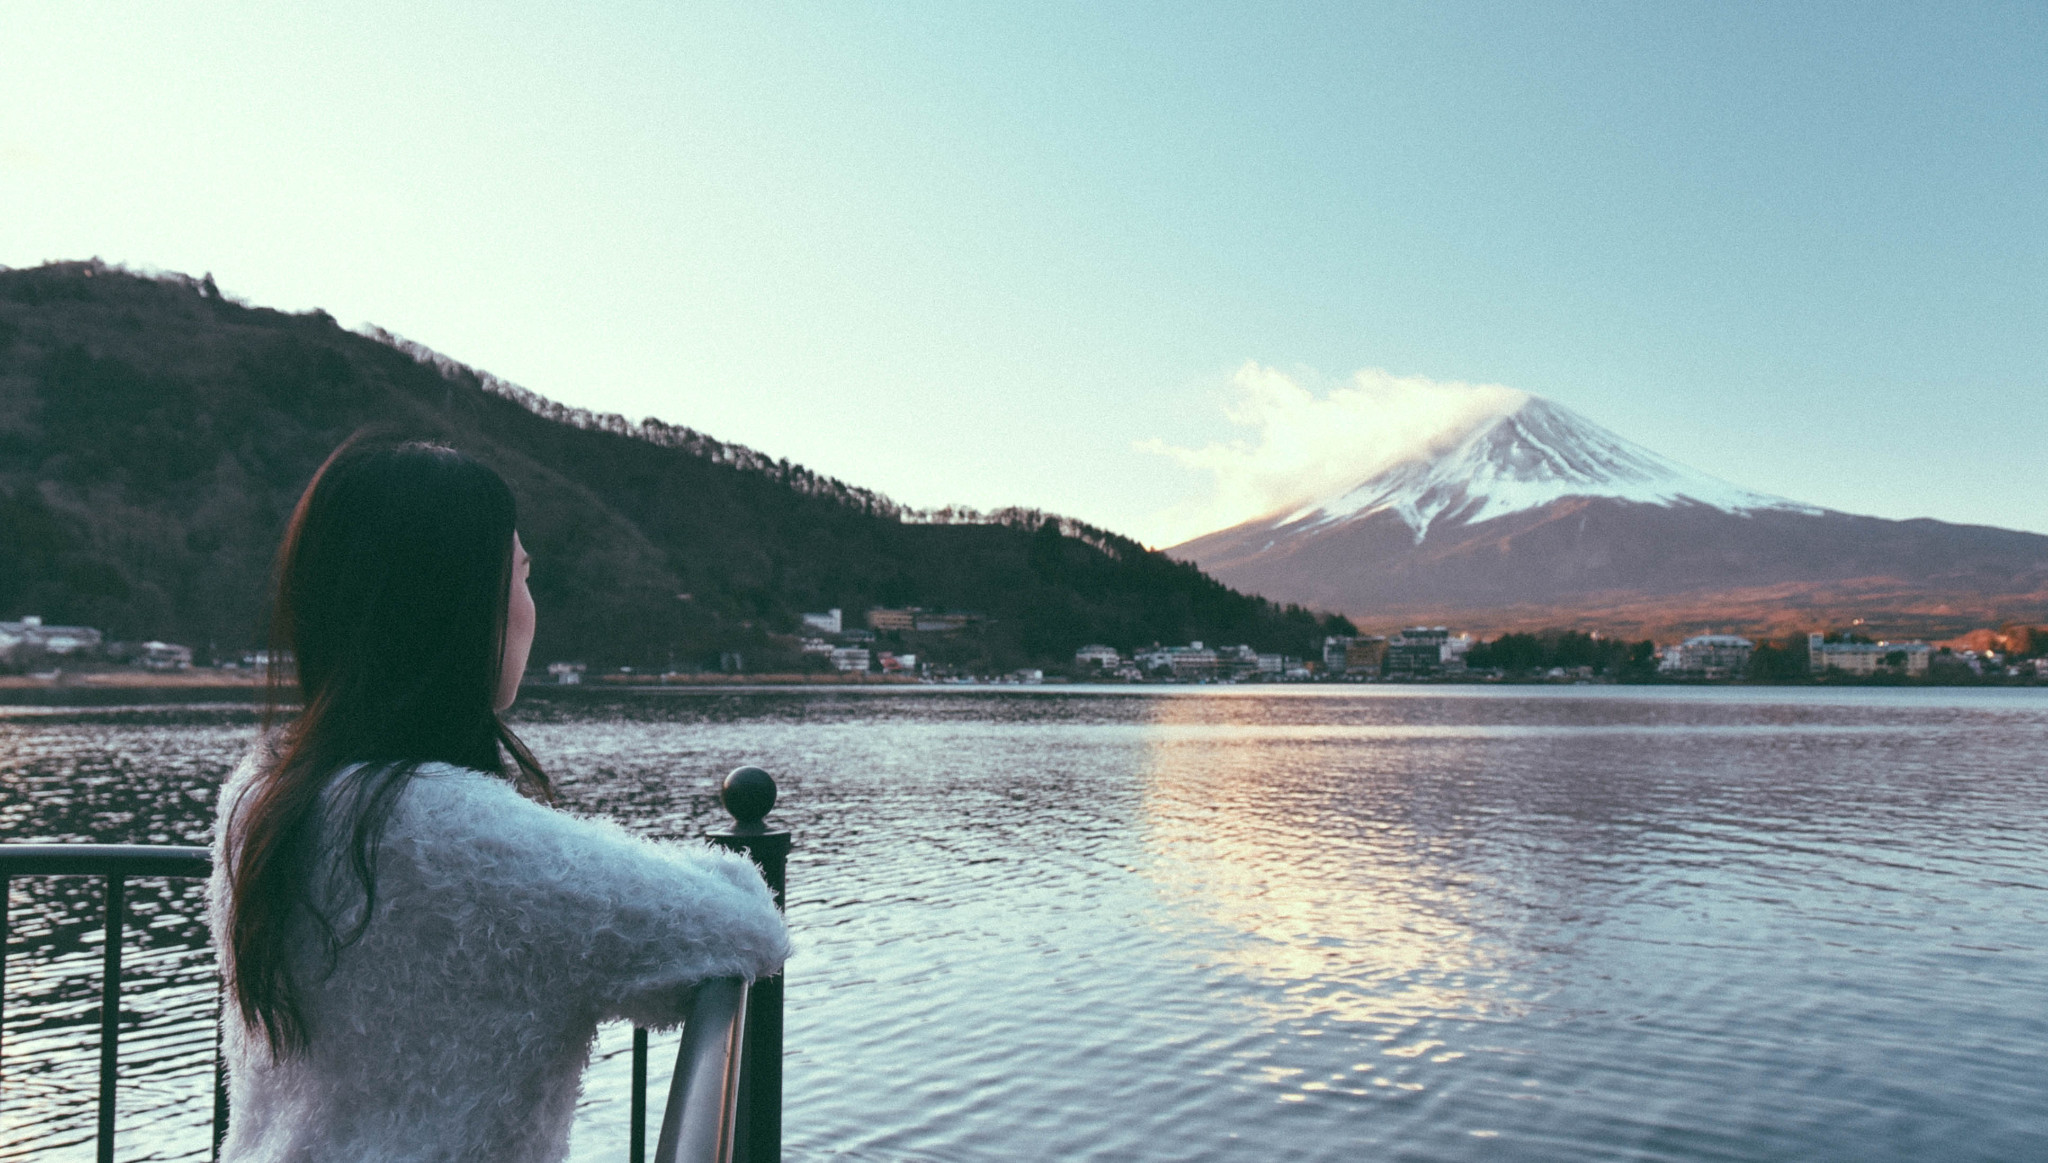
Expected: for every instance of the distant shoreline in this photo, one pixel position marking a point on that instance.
(135, 680)
(648, 681)
(102, 688)
(123, 685)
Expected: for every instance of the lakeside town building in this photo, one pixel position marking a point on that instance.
(883, 620)
(1093, 655)
(1356, 656)
(1865, 658)
(1708, 656)
(1194, 662)
(1191, 663)
(1416, 652)
(841, 657)
(30, 635)
(164, 656)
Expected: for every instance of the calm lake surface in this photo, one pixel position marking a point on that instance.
(1416, 923)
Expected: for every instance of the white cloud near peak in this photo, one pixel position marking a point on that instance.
(1301, 447)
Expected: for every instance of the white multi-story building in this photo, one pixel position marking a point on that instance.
(850, 658)
(1867, 657)
(1193, 661)
(1415, 651)
(1236, 661)
(31, 633)
(165, 656)
(1333, 653)
(1105, 657)
(1709, 655)
(828, 622)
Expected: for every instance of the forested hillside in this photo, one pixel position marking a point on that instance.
(154, 435)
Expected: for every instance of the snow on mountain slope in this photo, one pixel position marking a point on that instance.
(1533, 517)
(1525, 458)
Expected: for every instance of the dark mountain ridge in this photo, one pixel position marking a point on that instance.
(154, 435)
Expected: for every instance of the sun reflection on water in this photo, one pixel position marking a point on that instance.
(1302, 867)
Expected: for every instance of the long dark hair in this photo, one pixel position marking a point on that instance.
(388, 626)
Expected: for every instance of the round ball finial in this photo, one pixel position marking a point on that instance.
(748, 793)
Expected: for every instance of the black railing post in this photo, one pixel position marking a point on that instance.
(220, 1076)
(636, 1149)
(110, 1014)
(6, 887)
(749, 793)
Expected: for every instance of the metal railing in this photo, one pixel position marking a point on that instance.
(701, 1123)
(724, 1101)
(116, 862)
(749, 794)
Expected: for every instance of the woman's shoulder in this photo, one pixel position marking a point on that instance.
(436, 787)
(456, 777)
(464, 821)
(450, 801)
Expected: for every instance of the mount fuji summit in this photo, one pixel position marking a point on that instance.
(1537, 517)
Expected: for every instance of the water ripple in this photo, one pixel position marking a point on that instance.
(1320, 924)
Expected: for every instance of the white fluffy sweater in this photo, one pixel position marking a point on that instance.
(458, 1026)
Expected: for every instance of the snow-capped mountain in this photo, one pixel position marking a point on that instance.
(1526, 458)
(1538, 516)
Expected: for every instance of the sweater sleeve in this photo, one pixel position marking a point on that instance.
(590, 910)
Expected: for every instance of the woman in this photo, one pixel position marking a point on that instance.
(417, 948)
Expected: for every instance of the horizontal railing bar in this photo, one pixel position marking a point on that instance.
(104, 860)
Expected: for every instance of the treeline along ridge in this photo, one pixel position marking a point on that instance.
(155, 433)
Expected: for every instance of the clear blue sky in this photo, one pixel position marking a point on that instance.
(982, 254)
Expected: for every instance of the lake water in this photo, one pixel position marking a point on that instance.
(1416, 923)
